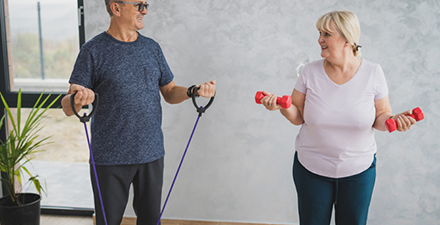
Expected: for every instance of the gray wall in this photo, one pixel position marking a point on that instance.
(238, 167)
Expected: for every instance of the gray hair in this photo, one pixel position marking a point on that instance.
(107, 5)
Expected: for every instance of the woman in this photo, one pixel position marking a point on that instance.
(338, 101)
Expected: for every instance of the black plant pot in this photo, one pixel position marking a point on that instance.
(26, 214)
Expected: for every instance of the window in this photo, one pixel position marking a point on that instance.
(43, 43)
(39, 42)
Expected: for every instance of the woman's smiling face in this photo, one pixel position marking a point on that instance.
(331, 42)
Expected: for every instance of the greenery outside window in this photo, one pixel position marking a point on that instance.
(44, 43)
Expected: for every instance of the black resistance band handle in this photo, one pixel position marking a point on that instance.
(84, 118)
(200, 109)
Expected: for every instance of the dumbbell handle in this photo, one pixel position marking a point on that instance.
(417, 114)
(285, 101)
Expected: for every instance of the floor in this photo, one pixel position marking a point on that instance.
(65, 220)
(67, 184)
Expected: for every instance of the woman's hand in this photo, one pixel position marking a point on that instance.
(404, 121)
(270, 101)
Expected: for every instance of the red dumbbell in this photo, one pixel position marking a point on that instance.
(285, 101)
(417, 114)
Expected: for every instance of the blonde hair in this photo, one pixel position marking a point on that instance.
(347, 25)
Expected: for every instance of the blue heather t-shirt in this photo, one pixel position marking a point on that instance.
(126, 128)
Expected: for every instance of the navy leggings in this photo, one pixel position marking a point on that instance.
(317, 195)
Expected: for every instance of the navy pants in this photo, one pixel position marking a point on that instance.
(317, 195)
(115, 181)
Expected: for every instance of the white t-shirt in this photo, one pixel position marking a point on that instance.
(337, 137)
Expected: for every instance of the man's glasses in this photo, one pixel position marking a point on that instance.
(141, 6)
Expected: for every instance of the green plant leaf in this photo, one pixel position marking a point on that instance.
(9, 112)
(1, 121)
(22, 142)
(37, 184)
(19, 110)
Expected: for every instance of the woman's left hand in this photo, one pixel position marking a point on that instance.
(270, 101)
(404, 121)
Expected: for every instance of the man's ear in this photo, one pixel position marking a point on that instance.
(116, 9)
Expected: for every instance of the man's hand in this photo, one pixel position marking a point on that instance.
(207, 89)
(84, 96)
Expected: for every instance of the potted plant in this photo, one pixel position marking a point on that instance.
(15, 153)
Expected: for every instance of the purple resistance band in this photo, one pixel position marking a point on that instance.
(85, 119)
(200, 110)
(96, 175)
(178, 169)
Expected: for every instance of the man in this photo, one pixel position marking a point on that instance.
(128, 71)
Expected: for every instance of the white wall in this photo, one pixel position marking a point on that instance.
(238, 167)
